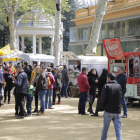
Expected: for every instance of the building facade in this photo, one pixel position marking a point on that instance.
(122, 20)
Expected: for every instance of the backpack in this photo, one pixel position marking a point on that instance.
(49, 81)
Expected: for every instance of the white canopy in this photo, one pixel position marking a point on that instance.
(14, 54)
(38, 57)
(96, 60)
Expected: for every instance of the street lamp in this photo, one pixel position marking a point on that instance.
(57, 4)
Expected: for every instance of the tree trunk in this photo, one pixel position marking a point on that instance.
(57, 37)
(12, 30)
(97, 24)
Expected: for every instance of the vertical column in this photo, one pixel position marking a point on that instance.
(126, 28)
(52, 46)
(40, 44)
(89, 32)
(77, 34)
(22, 38)
(17, 43)
(34, 44)
(106, 30)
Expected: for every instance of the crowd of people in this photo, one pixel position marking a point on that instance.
(45, 84)
(111, 95)
(42, 83)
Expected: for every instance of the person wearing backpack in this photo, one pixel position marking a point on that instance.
(42, 86)
(50, 90)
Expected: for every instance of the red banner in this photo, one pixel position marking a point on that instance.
(113, 48)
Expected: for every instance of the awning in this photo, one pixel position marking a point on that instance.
(38, 57)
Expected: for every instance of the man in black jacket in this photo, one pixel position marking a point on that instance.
(27, 71)
(122, 79)
(111, 104)
(21, 88)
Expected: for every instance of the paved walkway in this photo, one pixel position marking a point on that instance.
(63, 123)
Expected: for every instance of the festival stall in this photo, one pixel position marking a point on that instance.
(7, 55)
(129, 60)
(38, 58)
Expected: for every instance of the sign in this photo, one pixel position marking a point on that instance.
(113, 48)
(138, 88)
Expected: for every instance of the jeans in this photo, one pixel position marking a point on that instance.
(50, 95)
(42, 96)
(116, 118)
(124, 104)
(29, 103)
(82, 102)
(64, 89)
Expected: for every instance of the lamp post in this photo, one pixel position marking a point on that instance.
(57, 37)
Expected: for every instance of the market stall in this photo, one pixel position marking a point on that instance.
(38, 58)
(129, 60)
(7, 55)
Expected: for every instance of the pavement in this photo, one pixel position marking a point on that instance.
(64, 123)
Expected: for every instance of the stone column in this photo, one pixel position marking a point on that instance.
(126, 28)
(34, 44)
(77, 34)
(106, 30)
(17, 42)
(52, 46)
(40, 44)
(22, 39)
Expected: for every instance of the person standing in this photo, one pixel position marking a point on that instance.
(111, 104)
(34, 83)
(59, 75)
(84, 89)
(9, 84)
(93, 80)
(42, 86)
(12, 68)
(33, 73)
(101, 82)
(65, 80)
(50, 90)
(122, 79)
(21, 88)
(27, 71)
(1, 82)
(55, 85)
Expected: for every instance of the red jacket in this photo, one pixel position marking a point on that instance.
(52, 81)
(83, 83)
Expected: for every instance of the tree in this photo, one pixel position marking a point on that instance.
(97, 23)
(9, 8)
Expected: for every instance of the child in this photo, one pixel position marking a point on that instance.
(30, 94)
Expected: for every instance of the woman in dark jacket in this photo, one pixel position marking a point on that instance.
(9, 84)
(54, 86)
(93, 80)
(101, 82)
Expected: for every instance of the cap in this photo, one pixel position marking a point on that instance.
(25, 62)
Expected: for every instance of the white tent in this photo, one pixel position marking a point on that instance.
(38, 58)
(14, 54)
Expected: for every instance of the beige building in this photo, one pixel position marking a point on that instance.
(122, 20)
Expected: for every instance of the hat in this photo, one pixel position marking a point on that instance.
(25, 62)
